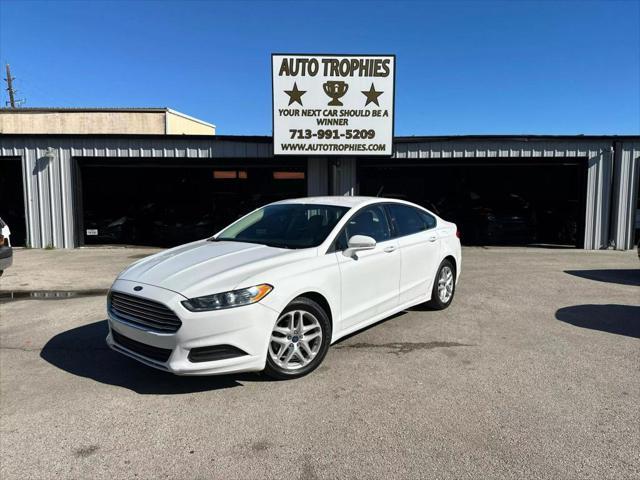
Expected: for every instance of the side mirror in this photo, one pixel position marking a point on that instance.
(358, 243)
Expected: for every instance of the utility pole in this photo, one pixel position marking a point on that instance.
(9, 80)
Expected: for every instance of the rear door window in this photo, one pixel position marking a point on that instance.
(407, 220)
(429, 220)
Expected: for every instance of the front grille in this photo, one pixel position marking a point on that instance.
(215, 352)
(142, 349)
(143, 312)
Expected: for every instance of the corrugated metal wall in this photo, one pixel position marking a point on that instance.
(49, 169)
(344, 181)
(625, 185)
(317, 176)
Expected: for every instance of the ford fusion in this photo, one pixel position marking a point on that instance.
(275, 288)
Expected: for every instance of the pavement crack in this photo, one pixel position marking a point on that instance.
(60, 349)
(400, 348)
(23, 349)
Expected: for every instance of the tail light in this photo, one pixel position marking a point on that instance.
(1, 239)
(458, 234)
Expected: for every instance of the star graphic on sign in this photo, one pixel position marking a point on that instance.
(295, 95)
(372, 96)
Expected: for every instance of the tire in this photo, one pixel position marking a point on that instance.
(437, 302)
(315, 335)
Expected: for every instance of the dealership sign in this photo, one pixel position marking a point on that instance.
(333, 104)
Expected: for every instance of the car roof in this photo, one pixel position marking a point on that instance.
(338, 200)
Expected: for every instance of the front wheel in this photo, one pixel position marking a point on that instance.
(444, 286)
(299, 340)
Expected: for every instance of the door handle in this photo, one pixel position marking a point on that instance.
(389, 249)
(432, 239)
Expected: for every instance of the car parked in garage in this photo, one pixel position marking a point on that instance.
(275, 288)
(6, 251)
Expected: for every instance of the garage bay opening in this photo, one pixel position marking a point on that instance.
(514, 202)
(12, 209)
(153, 203)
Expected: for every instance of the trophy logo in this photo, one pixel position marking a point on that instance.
(335, 89)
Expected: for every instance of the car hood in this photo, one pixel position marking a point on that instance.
(205, 267)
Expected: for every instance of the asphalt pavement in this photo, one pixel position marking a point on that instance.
(533, 372)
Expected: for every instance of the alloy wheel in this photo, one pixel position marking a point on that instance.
(445, 284)
(296, 340)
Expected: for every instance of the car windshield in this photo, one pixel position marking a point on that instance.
(285, 225)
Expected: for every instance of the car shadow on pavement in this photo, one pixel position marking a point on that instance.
(618, 319)
(82, 351)
(621, 276)
(422, 307)
(369, 327)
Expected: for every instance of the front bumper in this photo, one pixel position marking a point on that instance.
(247, 328)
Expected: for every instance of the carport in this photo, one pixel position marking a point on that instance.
(517, 201)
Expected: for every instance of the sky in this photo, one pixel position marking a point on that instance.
(476, 67)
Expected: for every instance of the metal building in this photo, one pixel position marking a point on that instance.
(68, 188)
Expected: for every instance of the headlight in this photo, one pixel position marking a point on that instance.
(234, 298)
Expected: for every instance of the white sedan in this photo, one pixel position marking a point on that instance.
(274, 289)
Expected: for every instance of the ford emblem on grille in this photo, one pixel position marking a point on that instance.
(138, 288)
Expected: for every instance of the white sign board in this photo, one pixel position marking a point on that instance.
(333, 104)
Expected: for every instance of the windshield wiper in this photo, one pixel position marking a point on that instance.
(214, 239)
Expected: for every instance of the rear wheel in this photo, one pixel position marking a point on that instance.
(444, 286)
(299, 340)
